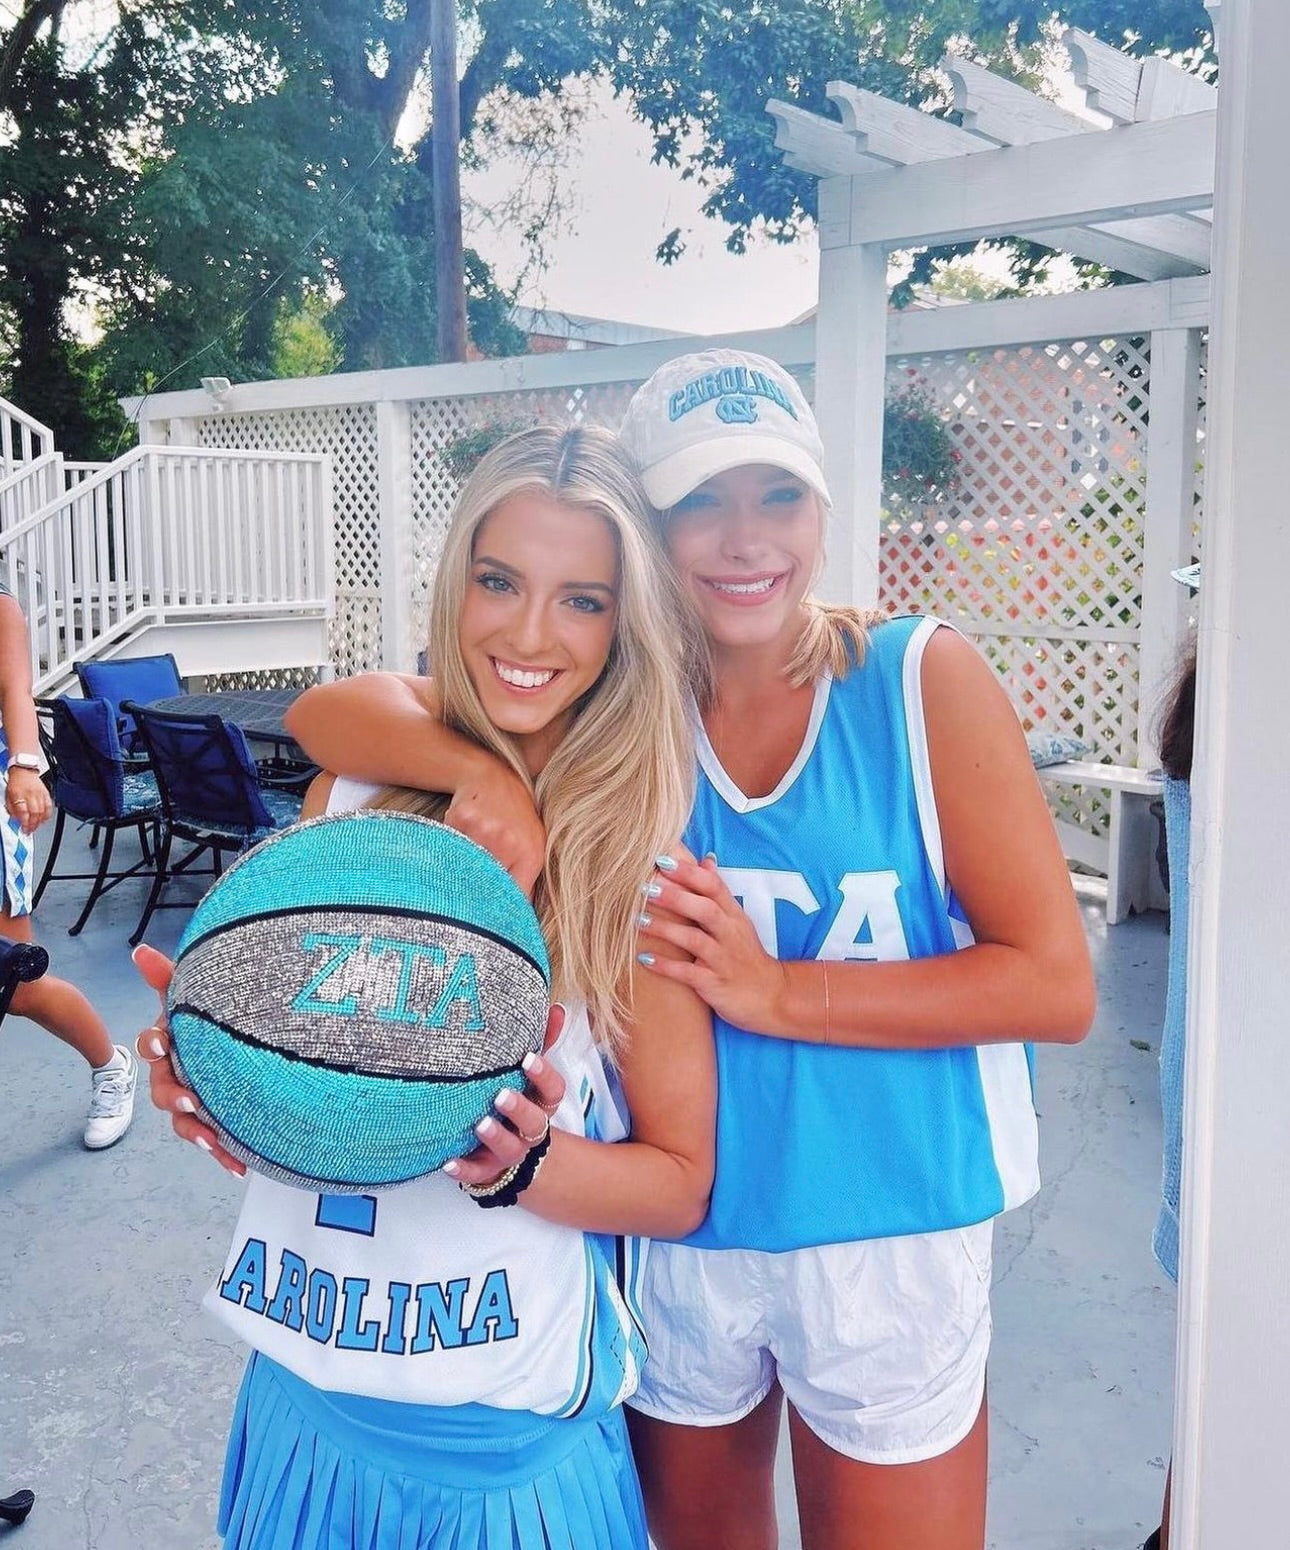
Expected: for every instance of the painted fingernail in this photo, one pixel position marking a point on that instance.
(646, 958)
(452, 1169)
(185, 1105)
(644, 920)
(710, 856)
(651, 890)
(203, 1143)
(532, 1064)
(486, 1128)
(666, 863)
(156, 1049)
(506, 1100)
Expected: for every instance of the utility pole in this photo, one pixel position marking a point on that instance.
(445, 139)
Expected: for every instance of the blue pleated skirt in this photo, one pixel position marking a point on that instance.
(309, 1470)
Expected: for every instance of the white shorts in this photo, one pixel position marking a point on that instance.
(880, 1346)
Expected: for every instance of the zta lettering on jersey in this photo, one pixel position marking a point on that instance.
(867, 925)
(400, 1320)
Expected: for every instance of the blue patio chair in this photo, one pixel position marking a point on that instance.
(211, 795)
(117, 679)
(92, 783)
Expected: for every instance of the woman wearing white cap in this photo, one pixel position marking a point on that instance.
(882, 923)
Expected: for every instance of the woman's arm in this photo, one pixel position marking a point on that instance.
(658, 1182)
(26, 798)
(1027, 977)
(387, 728)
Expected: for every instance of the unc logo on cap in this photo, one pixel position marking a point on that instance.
(736, 409)
(704, 413)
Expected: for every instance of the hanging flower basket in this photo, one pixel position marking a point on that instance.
(920, 463)
(461, 454)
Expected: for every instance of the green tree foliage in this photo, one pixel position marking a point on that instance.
(302, 342)
(62, 195)
(699, 73)
(208, 166)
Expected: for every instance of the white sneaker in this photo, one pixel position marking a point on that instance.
(111, 1101)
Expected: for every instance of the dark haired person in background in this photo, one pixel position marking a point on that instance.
(1176, 741)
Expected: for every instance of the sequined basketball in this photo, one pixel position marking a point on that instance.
(352, 995)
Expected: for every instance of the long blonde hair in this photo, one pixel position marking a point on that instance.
(834, 636)
(617, 789)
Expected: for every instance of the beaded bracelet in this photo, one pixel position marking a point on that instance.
(506, 1190)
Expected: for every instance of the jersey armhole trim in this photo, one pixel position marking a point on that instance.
(920, 763)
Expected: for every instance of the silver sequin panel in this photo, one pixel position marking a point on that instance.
(255, 978)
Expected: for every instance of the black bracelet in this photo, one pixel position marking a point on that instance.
(520, 1180)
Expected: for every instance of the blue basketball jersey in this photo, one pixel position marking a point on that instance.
(842, 861)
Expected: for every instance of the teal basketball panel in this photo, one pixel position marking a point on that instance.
(324, 1128)
(387, 860)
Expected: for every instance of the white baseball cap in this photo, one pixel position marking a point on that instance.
(705, 413)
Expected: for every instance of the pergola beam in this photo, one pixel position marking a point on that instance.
(1005, 112)
(894, 131)
(1108, 77)
(876, 134)
(1132, 90)
(1137, 170)
(817, 146)
(1157, 248)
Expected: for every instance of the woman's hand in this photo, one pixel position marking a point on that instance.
(525, 1118)
(167, 1092)
(728, 967)
(26, 799)
(493, 807)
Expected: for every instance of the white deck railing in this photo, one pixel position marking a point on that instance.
(22, 439)
(30, 486)
(165, 535)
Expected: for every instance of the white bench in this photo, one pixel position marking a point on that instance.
(1127, 854)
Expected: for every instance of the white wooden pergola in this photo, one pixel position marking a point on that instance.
(1130, 186)
(1172, 180)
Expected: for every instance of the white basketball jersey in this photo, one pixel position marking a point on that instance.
(417, 1294)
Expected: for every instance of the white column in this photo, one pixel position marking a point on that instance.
(1233, 1414)
(394, 507)
(1171, 485)
(850, 375)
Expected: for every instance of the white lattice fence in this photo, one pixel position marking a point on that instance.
(347, 434)
(1038, 552)
(1037, 555)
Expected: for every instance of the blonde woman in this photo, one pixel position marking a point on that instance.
(480, 1403)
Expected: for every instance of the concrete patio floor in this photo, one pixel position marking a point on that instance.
(115, 1391)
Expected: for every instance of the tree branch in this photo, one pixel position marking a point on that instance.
(21, 37)
(408, 47)
(481, 75)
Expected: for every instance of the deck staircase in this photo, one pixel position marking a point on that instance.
(223, 558)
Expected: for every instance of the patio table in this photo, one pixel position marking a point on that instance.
(259, 712)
